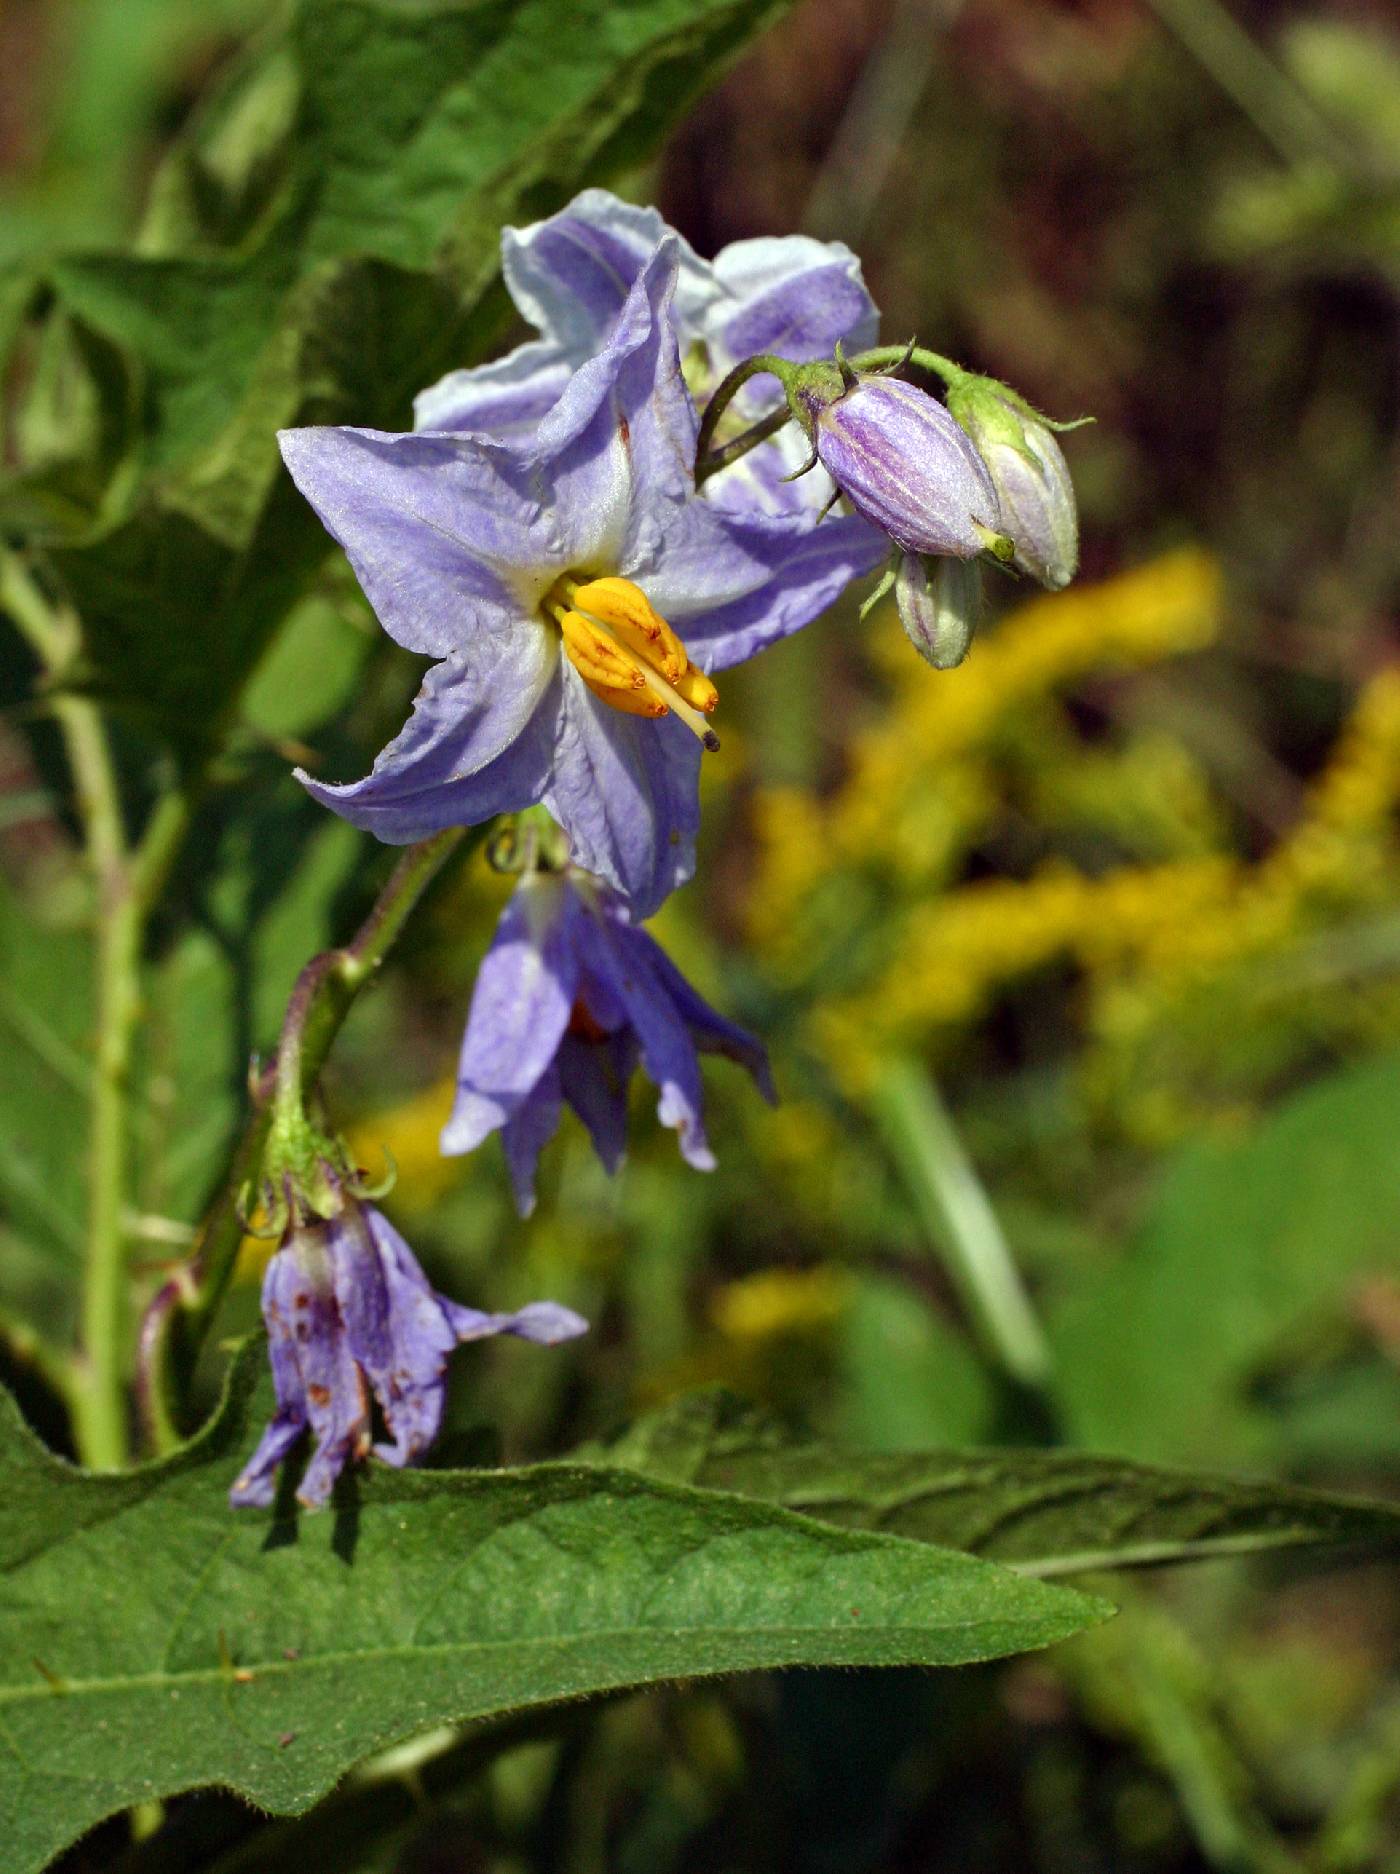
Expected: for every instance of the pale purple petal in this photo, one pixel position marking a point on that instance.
(708, 1028)
(332, 1386)
(594, 1077)
(795, 296)
(508, 395)
(525, 1134)
(547, 1323)
(437, 528)
(434, 774)
(733, 583)
(395, 1326)
(626, 790)
(667, 1051)
(521, 1003)
(570, 274)
(257, 1482)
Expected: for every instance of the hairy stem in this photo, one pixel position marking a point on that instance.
(182, 1311)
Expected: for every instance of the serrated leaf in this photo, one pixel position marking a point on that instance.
(1041, 1512)
(152, 1640)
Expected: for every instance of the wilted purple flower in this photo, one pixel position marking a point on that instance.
(570, 996)
(349, 1311)
(570, 275)
(1031, 476)
(902, 461)
(578, 594)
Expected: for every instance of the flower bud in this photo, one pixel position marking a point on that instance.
(940, 602)
(901, 461)
(1031, 477)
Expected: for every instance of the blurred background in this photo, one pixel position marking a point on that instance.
(1080, 966)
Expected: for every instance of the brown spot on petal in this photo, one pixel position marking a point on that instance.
(319, 1395)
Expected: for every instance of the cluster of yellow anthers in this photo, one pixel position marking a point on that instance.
(927, 779)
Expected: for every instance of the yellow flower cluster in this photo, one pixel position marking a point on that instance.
(920, 785)
(1171, 923)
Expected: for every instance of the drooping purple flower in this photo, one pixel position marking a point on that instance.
(904, 463)
(348, 1313)
(540, 571)
(570, 997)
(570, 275)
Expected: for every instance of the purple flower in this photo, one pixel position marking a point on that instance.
(570, 996)
(349, 1311)
(570, 275)
(903, 462)
(577, 593)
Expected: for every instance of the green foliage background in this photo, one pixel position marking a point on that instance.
(221, 220)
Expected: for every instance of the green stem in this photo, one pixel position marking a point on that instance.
(182, 1312)
(918, 355)
(706, 463)
(962, 1225)
(126, 885)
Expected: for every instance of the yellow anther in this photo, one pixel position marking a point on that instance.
(695, 688)
(629, 612)
(597, 655)
(627, 654)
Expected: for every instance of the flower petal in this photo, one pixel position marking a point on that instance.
(396, 1327)
(569, 275)
(471, 748)
(521, 1003)
(526, 1133)
(257, 1482)
(544, 1322)
(594, 1077)
(509, 394)
(667, 1051)
(733, 582)
(438, 529)
(708, 1028)
(626, 790)
(793, 295)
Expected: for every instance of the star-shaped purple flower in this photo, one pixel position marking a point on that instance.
(569, 998)
(570, 275)
(577, 593)
(348, 1311)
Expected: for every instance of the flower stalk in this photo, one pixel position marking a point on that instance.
(182, 1311)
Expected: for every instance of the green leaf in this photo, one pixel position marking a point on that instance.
(152, 1640)
(323, 245)
(1040, 1512)
(1247, 1248)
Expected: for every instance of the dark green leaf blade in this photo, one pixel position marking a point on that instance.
(152, 1640)
(1040, 1512)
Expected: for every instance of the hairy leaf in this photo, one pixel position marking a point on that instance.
(153, 1640)
(1040, 1512)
